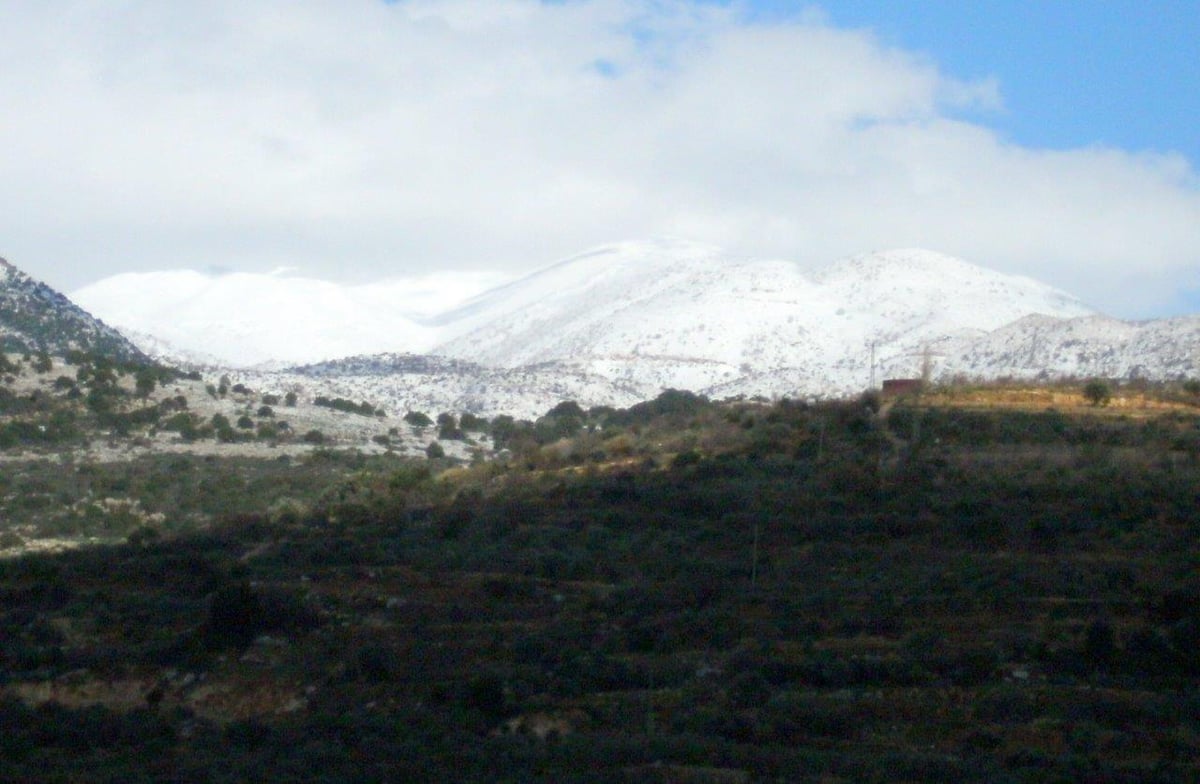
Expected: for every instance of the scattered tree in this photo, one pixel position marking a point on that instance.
(1097, 392)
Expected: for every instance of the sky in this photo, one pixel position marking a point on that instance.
(359, 140)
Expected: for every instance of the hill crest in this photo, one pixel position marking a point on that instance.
(35, 318)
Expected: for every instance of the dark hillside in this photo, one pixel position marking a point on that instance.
(35, 318)
(685, 592)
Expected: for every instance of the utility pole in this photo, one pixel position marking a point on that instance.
(926, 366)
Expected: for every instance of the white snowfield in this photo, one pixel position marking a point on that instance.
(622, 322)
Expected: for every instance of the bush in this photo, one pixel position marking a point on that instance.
(472, 423)
(1097, 392)
(418, 419)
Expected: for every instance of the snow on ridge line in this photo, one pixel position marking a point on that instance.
(251, 319)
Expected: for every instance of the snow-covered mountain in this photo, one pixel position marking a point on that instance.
(677, 314)
(621, 322)
(277, 319)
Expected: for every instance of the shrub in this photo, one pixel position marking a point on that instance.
(1097, 392)
(348, 406)
(418, 419)
(472, 423)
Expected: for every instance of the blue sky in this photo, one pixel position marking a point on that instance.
(1123, 73)
(365, 139)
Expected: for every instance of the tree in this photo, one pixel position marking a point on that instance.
(1097, 392)
(1192, 387)
(448, 428)
(434, 450)
(475, 424)
(146, 380)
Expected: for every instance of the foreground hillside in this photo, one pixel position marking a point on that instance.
(94, 450)
(680, 591)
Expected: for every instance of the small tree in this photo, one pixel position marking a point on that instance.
(1097, 392)
(145, 380)
(434, 450)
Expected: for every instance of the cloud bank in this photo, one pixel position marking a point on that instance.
(358, 140)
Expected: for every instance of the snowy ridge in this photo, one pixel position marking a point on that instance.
(621, 322)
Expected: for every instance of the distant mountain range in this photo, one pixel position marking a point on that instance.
(36, 318)
(621, 322)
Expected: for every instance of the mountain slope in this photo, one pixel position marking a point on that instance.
(35, 318)
(669, 313)
(1040, 347)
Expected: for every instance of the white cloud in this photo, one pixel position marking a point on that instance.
(362, 140)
